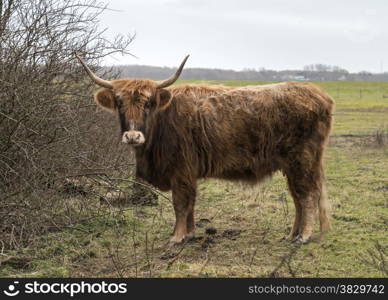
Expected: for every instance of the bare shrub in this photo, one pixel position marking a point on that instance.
(377, 258)
(49, 125)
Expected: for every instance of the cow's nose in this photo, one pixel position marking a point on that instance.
(127, 139)
(133, 138)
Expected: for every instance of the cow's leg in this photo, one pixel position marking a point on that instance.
(305, 200)
(297, 220)
(324, 210)
(309, 208)
(298, 208)
(305, 181)
(191, 221)
(183, 196)
(316, 198)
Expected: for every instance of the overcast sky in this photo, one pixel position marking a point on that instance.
(275, 34)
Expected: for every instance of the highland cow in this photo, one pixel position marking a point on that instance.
(186, 132)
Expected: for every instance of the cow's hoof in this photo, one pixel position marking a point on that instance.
(175, 241)
(190, 236)
(300, 240)
(290, 238)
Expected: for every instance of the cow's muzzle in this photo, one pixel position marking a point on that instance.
(132, 137)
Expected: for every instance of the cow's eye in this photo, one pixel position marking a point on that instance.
(119, 102)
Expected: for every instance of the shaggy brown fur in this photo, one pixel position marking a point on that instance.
(245, 133)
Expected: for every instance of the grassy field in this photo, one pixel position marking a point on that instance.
(247, 223)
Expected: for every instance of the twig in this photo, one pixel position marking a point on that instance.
(172, 261)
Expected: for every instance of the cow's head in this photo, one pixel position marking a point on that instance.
(134, 100)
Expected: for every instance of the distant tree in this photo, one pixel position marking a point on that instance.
(364, 73)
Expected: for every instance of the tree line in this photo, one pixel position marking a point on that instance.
(314, 72)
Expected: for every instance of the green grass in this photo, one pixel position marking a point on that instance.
(250, 221)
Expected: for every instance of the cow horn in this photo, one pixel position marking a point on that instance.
(172, 79)
(94, 77)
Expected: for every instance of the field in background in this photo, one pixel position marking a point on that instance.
(247, 223)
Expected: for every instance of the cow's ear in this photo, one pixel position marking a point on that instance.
(106, 99)
(164, 98)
